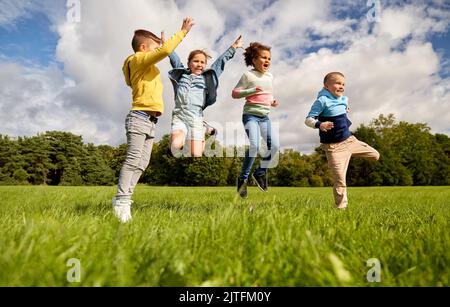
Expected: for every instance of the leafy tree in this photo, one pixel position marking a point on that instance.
(9, 158)
(292, 170)
(66, 149)
(70, 174)
(94, 169)
(35, 152)
(410, 155)
(20, 176)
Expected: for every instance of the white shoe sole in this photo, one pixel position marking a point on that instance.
(256, 181)
(122, 213)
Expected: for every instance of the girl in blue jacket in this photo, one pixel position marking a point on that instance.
(195, 89)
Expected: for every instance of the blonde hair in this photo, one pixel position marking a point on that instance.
(331, 75)
(195, 52)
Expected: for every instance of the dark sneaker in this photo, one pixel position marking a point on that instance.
(242, 187)
(261, 181)
(209, 130)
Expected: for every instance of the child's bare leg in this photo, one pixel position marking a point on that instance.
(197, 148)
(177, 140)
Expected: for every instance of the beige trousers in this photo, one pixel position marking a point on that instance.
(338, 156)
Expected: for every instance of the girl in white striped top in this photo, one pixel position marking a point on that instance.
(256, 87)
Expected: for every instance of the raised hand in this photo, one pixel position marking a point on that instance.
(188, 23)
(238, 43)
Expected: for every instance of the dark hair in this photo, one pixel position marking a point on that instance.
(331, 74)
(253, 51)
(195, 52)
(140, 36)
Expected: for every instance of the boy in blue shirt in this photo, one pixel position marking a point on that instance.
(329, 115)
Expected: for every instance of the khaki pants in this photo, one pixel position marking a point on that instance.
(338, 156)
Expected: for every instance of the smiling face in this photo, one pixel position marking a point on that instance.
(336, 85)
(262, 62)
(197, 64)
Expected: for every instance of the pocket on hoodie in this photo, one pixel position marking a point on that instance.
(349, 123)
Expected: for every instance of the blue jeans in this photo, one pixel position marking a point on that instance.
(257, 127)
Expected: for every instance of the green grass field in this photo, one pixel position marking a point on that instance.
(210, 237)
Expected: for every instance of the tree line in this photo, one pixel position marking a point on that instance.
(410, 155)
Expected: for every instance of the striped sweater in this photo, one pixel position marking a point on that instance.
(257, 103)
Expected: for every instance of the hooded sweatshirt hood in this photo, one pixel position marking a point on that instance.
(126, 70)
(330, 105)
(326, 93)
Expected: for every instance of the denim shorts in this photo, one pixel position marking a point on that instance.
(191, 126)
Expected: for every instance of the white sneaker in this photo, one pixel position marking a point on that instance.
(122, 209)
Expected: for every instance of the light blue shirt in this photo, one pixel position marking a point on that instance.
(190, 89)
(191, 95)
(327, 105)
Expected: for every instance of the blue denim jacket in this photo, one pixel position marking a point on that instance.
(211, 76)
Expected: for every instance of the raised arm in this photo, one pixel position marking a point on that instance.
(168, 46)
(219, 65)
(175, 60)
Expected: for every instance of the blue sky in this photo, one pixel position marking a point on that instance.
(30, 40)
(441, 43)
(308, 38)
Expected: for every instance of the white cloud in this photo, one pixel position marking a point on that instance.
(415, 21)
(11, 10)
(392, 69)
(33, 102)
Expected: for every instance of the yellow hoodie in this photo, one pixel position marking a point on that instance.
(143, 76)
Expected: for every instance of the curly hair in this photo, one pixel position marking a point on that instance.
(253, 51)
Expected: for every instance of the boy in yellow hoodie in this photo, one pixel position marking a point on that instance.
(142, 75)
